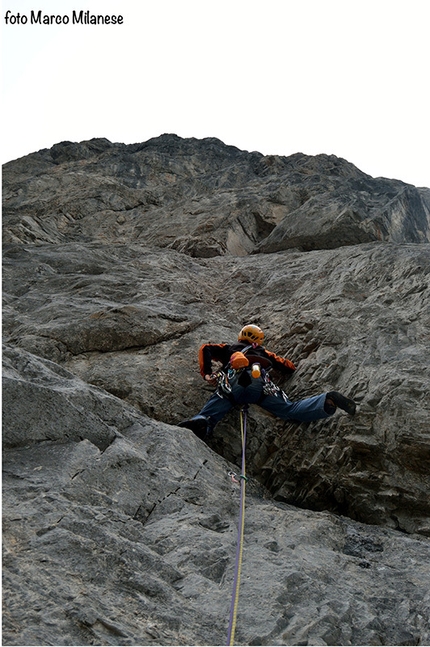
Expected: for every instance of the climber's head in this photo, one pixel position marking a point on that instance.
(252, 334)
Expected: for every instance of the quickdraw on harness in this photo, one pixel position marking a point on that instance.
(241, 526)
(224, 387)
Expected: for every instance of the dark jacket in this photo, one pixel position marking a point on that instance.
(223, 352)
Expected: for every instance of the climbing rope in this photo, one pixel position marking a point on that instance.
(241, 525)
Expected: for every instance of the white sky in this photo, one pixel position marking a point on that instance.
(342, 77)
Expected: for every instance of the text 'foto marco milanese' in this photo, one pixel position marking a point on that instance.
(77, 18)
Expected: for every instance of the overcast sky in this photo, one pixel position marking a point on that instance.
(342, 77)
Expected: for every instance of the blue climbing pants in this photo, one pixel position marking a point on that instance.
(305, 410)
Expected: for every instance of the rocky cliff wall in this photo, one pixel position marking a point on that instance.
(119, 261)
(121, 530)
(205, 199)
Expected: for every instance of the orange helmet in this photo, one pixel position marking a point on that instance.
(252, 334)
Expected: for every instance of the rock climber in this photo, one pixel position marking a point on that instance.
(244, 379)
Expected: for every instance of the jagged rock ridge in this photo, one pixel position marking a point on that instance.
(119, 261)
(205, 199)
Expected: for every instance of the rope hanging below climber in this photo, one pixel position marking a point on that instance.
(241, 526)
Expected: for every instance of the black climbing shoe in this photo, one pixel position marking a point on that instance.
(339, 400)
(198, 425)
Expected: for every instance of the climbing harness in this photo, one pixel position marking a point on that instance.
(224, 380)
(241, 525)
(223, 377)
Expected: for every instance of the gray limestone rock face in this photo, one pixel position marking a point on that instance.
(132, 541)
(204, 199)
(120, 527)
(355, 320)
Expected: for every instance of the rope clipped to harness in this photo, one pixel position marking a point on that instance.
(241, 525)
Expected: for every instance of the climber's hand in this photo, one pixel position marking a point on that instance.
(211, 379)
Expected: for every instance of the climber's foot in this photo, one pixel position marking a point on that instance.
(344, 403)
(198, 425)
